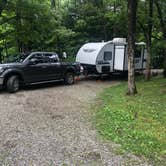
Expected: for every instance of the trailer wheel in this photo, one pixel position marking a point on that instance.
(12, 84)
(69, 78)
(86, 73)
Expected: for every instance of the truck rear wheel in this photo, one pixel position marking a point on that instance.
(12, 84)
(69, 78)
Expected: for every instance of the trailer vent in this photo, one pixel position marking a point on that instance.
(105, 69)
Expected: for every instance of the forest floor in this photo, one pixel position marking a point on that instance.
(52, 125)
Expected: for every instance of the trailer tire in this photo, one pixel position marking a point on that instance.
(86, 73)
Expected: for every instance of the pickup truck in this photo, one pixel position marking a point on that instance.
(36, 68)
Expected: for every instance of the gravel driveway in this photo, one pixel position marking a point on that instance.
(51, 125)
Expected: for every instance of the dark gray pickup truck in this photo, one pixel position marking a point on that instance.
(36, 68)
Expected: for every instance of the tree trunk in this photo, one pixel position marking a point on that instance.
(132, 7)
(1, 56)
(53, 4)
(58, 4)
(114, 26)
(0, 10)
(163, 28)
(164, 73)
(2, 4)
(5, 46)
(18, 28)
(148, 63)
(149, 41)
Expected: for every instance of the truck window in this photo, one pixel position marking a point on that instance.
(39, 58)
(51, 58)
(107, 56)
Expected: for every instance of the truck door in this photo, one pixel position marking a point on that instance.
(54, 67)
(36, 72)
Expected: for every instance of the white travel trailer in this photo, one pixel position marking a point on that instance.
(109, 57)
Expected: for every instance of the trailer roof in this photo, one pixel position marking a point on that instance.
(89, 52)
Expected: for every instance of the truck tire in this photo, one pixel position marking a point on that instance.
(12, 84)
(69, 78)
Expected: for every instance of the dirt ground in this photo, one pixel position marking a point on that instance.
(52, 125)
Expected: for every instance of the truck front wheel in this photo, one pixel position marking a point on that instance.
(12, 84)
(69, 78)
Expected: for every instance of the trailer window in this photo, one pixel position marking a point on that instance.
(107, 56)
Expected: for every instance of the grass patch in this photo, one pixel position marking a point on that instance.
(138, 123)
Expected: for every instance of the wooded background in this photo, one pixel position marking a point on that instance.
(65, 25)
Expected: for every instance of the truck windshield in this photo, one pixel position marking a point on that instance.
(15, 58)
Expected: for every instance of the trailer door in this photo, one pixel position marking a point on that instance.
(119, 57)
(138, 59)
(144, 58)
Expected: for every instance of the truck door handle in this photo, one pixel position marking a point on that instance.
(44, 67)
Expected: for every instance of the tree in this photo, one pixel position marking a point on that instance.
(132, 8)
(27, 26)
(65, 25)
(162, 19)
(2, 4)
(53, 3)
(149, 41)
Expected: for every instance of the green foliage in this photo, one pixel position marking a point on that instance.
(158, 42)
(65, 25)
(139, 123)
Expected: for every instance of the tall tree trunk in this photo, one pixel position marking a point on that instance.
(2, 4)
(18, 28)
(148, 63)
(75, 3)
(58, 4)
(53, 4)
(5, 46)
(163, 28)
(164, 63)
(149, 41)
(0, 10)
(1, 56)
(132, 8)
(114, 26)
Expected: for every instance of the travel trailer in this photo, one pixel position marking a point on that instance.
(109, 57)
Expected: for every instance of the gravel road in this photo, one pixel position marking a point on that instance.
(51, 125)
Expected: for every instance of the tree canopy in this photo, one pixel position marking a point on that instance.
(64, 25)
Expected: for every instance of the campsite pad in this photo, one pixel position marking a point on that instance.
(52, 125)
